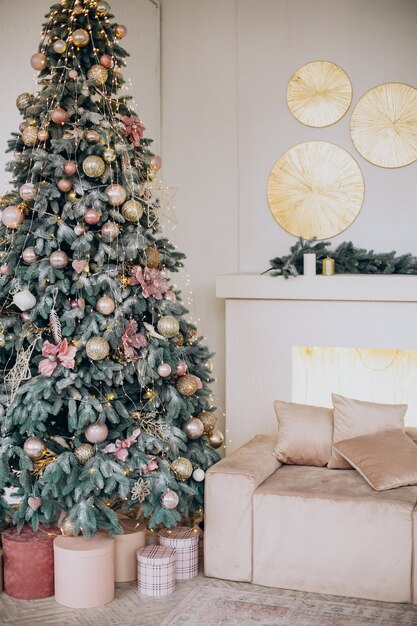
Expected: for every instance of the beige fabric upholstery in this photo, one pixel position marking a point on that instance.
(305, 433)
(411, 431)
(229, 486)
(414, 560)
(328, 531)
(353, 418)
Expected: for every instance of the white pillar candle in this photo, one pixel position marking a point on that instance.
(309, 264)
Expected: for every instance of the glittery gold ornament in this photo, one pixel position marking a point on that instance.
(216, 439)
(31, 121)
(178, 340)
(97, 348)
(93, 166)
(59, 46)
(98, 74)
(153, 258)
(168, 326)
(92, 136)
(187, 385)
(24, 101)
(132, 210)
(102, 7)
(182, 468)
(67, 527)
(80, 38)
(84, 453)
(30, 136)
(209, 421)
(109, 155)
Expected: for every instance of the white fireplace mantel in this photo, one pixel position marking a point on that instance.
(266, 317)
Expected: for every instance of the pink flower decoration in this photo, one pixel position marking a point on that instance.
(133, 129)
(132, 339)
(61, 354)
(150, 466)
(120, 448)
(151, 281)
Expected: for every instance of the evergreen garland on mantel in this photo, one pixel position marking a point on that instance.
(348, 260)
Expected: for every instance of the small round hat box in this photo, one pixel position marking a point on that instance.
(185, 541)
(156, 570)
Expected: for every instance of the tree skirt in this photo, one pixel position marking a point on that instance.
(215, 606)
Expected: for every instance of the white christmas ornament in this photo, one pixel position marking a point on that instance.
(24, 300)
(198, 475)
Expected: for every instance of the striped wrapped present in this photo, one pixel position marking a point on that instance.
(185, 541)
(156, 570)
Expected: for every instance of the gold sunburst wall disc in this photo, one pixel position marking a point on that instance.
(319, 94)
(384, 125)
(315, 189)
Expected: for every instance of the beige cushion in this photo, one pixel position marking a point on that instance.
(354, 418)
(304, 433)
(385, 460)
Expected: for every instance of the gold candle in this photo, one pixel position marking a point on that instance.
(328, 267)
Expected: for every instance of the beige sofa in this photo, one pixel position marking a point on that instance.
(308, 528)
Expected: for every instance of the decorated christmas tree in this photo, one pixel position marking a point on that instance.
(105, 402)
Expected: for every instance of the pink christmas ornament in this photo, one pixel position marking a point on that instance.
(79, 229)
(34, 502)
(149, 467)
(96, 433)
(70, 168)
(59, 116)
(12, 217)
(170, 500)
(4, 269)
(106, 61)
(29, 256)
(25, 317)
(22, 127)
(92, 216)
(73, 74)
(62, 354)
(38, 61)
(27, 192)
(133, 129)
(79, 265)
(181, 368)
(156, 163)
(110, 231)
(120, 448)
(132, 340)
(59, 259)
(170, 296)
(120, 31)
(151, 281)
(64, 185)
(164, 370)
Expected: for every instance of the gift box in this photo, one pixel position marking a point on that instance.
(156, 570)
(84, 571)
(29, 562)
(125, 549)
(185, 542)
(1, 571)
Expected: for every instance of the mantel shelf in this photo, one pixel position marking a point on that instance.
(341, 287)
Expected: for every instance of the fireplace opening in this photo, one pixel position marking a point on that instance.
(372, 374)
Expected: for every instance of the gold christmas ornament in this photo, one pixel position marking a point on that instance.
(67, 527)
(80, 38)
(168, 326)
(92, 136)
(182, 468)
(97, 348)
(216, 439)
(84, 453)
(187, 385)
(24, 101)
(384, 125)
(98, 74)
(109, 155)
(34, 447)
(102, 7)
(105, 305)
(315, 190)
(132, 210)
(30, 136)
(120, 31)
(153, 258)
(193, 428)
(59, 46)
(209, 421)
(93, 166)
(31, 121)
(319, 94)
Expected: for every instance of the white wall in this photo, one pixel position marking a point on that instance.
(225, 69)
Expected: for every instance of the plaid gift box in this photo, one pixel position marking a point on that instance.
(185, 541)
(156, 570)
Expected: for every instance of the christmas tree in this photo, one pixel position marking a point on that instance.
(105, 396)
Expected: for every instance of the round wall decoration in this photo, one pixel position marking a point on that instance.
(315, 189)
(319, 93)
(384, 125)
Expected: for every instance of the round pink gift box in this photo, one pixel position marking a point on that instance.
(29, 562)
(156, 570)
(185, 541)
(84, 571)
(126, 546)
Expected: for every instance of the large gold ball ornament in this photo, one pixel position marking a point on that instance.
(30, 136)
(34, 447)
(102, 7)
(38, 61)
(97, 348)
(193, 428)
(209, 421)
(98, 74)
(109, 155)
(59, 46)
(168, 326)
(132, 210)
(187, 385)
(84, 453)
(182, 468)
(153, 258)
(116, 195)
(105, 305)
(80, 38)
(23, 101)
(67, 527)
(93, 166)
(216, 439)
